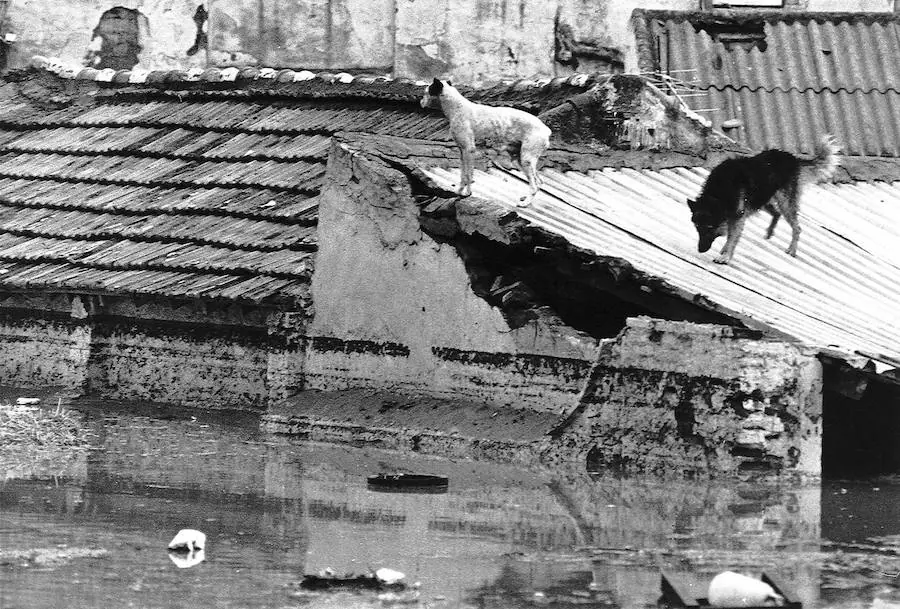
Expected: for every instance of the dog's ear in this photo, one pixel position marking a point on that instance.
(450, 82)
(435, 88)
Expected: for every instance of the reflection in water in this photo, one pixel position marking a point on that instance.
(501, 537)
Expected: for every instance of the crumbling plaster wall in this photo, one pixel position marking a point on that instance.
(311, 34)
(406, 302)
(681, 397)
(477, 42)
(65, 29)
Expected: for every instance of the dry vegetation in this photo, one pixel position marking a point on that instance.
(36, 441)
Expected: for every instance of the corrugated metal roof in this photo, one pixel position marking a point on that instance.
(865, 124)
(841, 291)
(817, 52)
(806, 74)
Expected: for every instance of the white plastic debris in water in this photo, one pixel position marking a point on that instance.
(730, 589)
(27, 401)
(188, 539)
(388, 576)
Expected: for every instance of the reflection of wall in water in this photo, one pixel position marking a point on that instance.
(636, 513)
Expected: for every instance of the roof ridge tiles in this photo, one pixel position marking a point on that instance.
(298, 83)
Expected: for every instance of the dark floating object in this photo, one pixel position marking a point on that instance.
(382, 579)
(408, 482)
(677, 595)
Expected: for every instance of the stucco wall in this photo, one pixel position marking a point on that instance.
(312, 34)
(65, 30)
(381, 280)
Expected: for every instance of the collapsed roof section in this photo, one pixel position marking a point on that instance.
(631, 226)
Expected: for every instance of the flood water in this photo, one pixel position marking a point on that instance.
(500, 537)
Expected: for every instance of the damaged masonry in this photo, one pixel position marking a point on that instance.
(294, 247)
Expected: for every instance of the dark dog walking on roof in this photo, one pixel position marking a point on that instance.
(739, 187)
(523, 134)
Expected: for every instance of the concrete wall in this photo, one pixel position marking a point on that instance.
(675, 396)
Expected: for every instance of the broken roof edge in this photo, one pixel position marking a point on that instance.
(412, 153)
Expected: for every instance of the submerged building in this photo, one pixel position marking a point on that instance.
(248, 238)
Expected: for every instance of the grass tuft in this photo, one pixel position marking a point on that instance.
(35, 439)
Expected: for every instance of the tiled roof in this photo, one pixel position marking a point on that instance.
(838, 294)
(189, 184)
(787, 77)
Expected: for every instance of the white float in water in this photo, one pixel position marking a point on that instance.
(188, 539)
(730, 589)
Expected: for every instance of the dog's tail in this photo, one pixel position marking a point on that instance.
(825, 162)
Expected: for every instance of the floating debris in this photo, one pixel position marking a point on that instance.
(188, 540)
(409, 483)
(730, 589)
(47, 557)
(381, 579)
(727, 589)
(389, 576)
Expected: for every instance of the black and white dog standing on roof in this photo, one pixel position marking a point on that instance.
(523, 134)
(771, 180)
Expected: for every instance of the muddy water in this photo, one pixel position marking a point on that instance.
(92, 533)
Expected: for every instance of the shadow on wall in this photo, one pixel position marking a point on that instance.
(117, 41)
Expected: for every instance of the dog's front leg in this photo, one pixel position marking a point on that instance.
(465, 139)
(465, 172)
(735, 228)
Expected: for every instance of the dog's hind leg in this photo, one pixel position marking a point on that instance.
(789, 208)
(795, 234)
(771, 230)
(532, 149)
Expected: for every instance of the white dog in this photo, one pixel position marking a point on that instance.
(499, 126)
